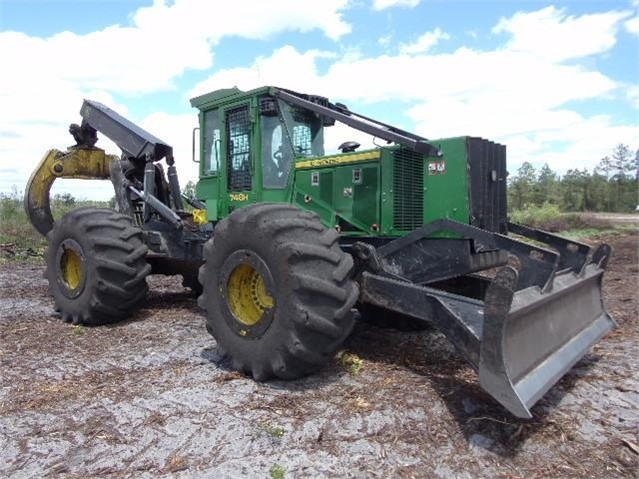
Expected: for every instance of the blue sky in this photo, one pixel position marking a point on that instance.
(557, 82)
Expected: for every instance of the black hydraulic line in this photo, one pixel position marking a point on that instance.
(174, 185)
(164, 211)
(194, 202)
(149, 188)
(380, 130)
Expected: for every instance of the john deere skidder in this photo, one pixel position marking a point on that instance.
(289, 243)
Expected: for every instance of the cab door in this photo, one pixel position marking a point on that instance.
(210, 184)
(239, 154)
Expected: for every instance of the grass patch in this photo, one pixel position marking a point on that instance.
(590, 232)
(277, 471)
(351, 362)
(273, 430)
(79, 330)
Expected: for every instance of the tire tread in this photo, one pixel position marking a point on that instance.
(116, 257)
(320, 300)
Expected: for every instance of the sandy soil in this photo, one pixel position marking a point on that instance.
(152, 397)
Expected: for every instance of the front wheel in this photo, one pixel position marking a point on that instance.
(96, 266)
(277, 290)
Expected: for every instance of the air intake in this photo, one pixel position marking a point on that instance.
(408, 189)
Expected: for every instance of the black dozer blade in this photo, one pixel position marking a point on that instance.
(530, 338)
(526, 332)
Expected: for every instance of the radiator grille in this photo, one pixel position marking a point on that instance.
(408, 189)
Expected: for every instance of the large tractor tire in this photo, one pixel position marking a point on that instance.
(277, 291)
(96, 266)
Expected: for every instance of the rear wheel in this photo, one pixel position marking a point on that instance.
(277, 290)
(96, 266)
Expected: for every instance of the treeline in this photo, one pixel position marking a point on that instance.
(612, 185)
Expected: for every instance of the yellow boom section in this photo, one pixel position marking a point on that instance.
(81, 163)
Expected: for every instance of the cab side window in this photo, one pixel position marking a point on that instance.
(212, 142)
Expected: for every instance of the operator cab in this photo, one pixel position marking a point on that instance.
(250, 142)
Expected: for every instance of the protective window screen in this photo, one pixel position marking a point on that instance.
(239, 149)
(302, 139)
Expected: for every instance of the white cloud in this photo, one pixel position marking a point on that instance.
(553, 35)
(425, 42)
(632, 95)
(162, 42)
(521, 93)
(286, 67)
(384, 4)
(510, 94)
(254, 19)
(385, 40)
(44, 80)
(632, 25)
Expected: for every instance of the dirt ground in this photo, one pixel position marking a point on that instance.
(152, 397)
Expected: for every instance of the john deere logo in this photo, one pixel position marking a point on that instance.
(436, 167)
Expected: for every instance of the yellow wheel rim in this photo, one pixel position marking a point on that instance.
(71, 269)
(247, 295)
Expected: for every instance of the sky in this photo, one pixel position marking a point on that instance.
(555, 81)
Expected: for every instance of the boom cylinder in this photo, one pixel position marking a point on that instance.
(174, 184)
(149, 187)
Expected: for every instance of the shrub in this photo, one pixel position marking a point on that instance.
(16, 232)
(549, 217)
(15, 228)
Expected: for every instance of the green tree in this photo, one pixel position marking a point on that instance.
(574, 190)
(622, 162)
(522, 186)
(624, 178)
(546, 189)
(598, 197)
(64, 199)
(605, 167)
